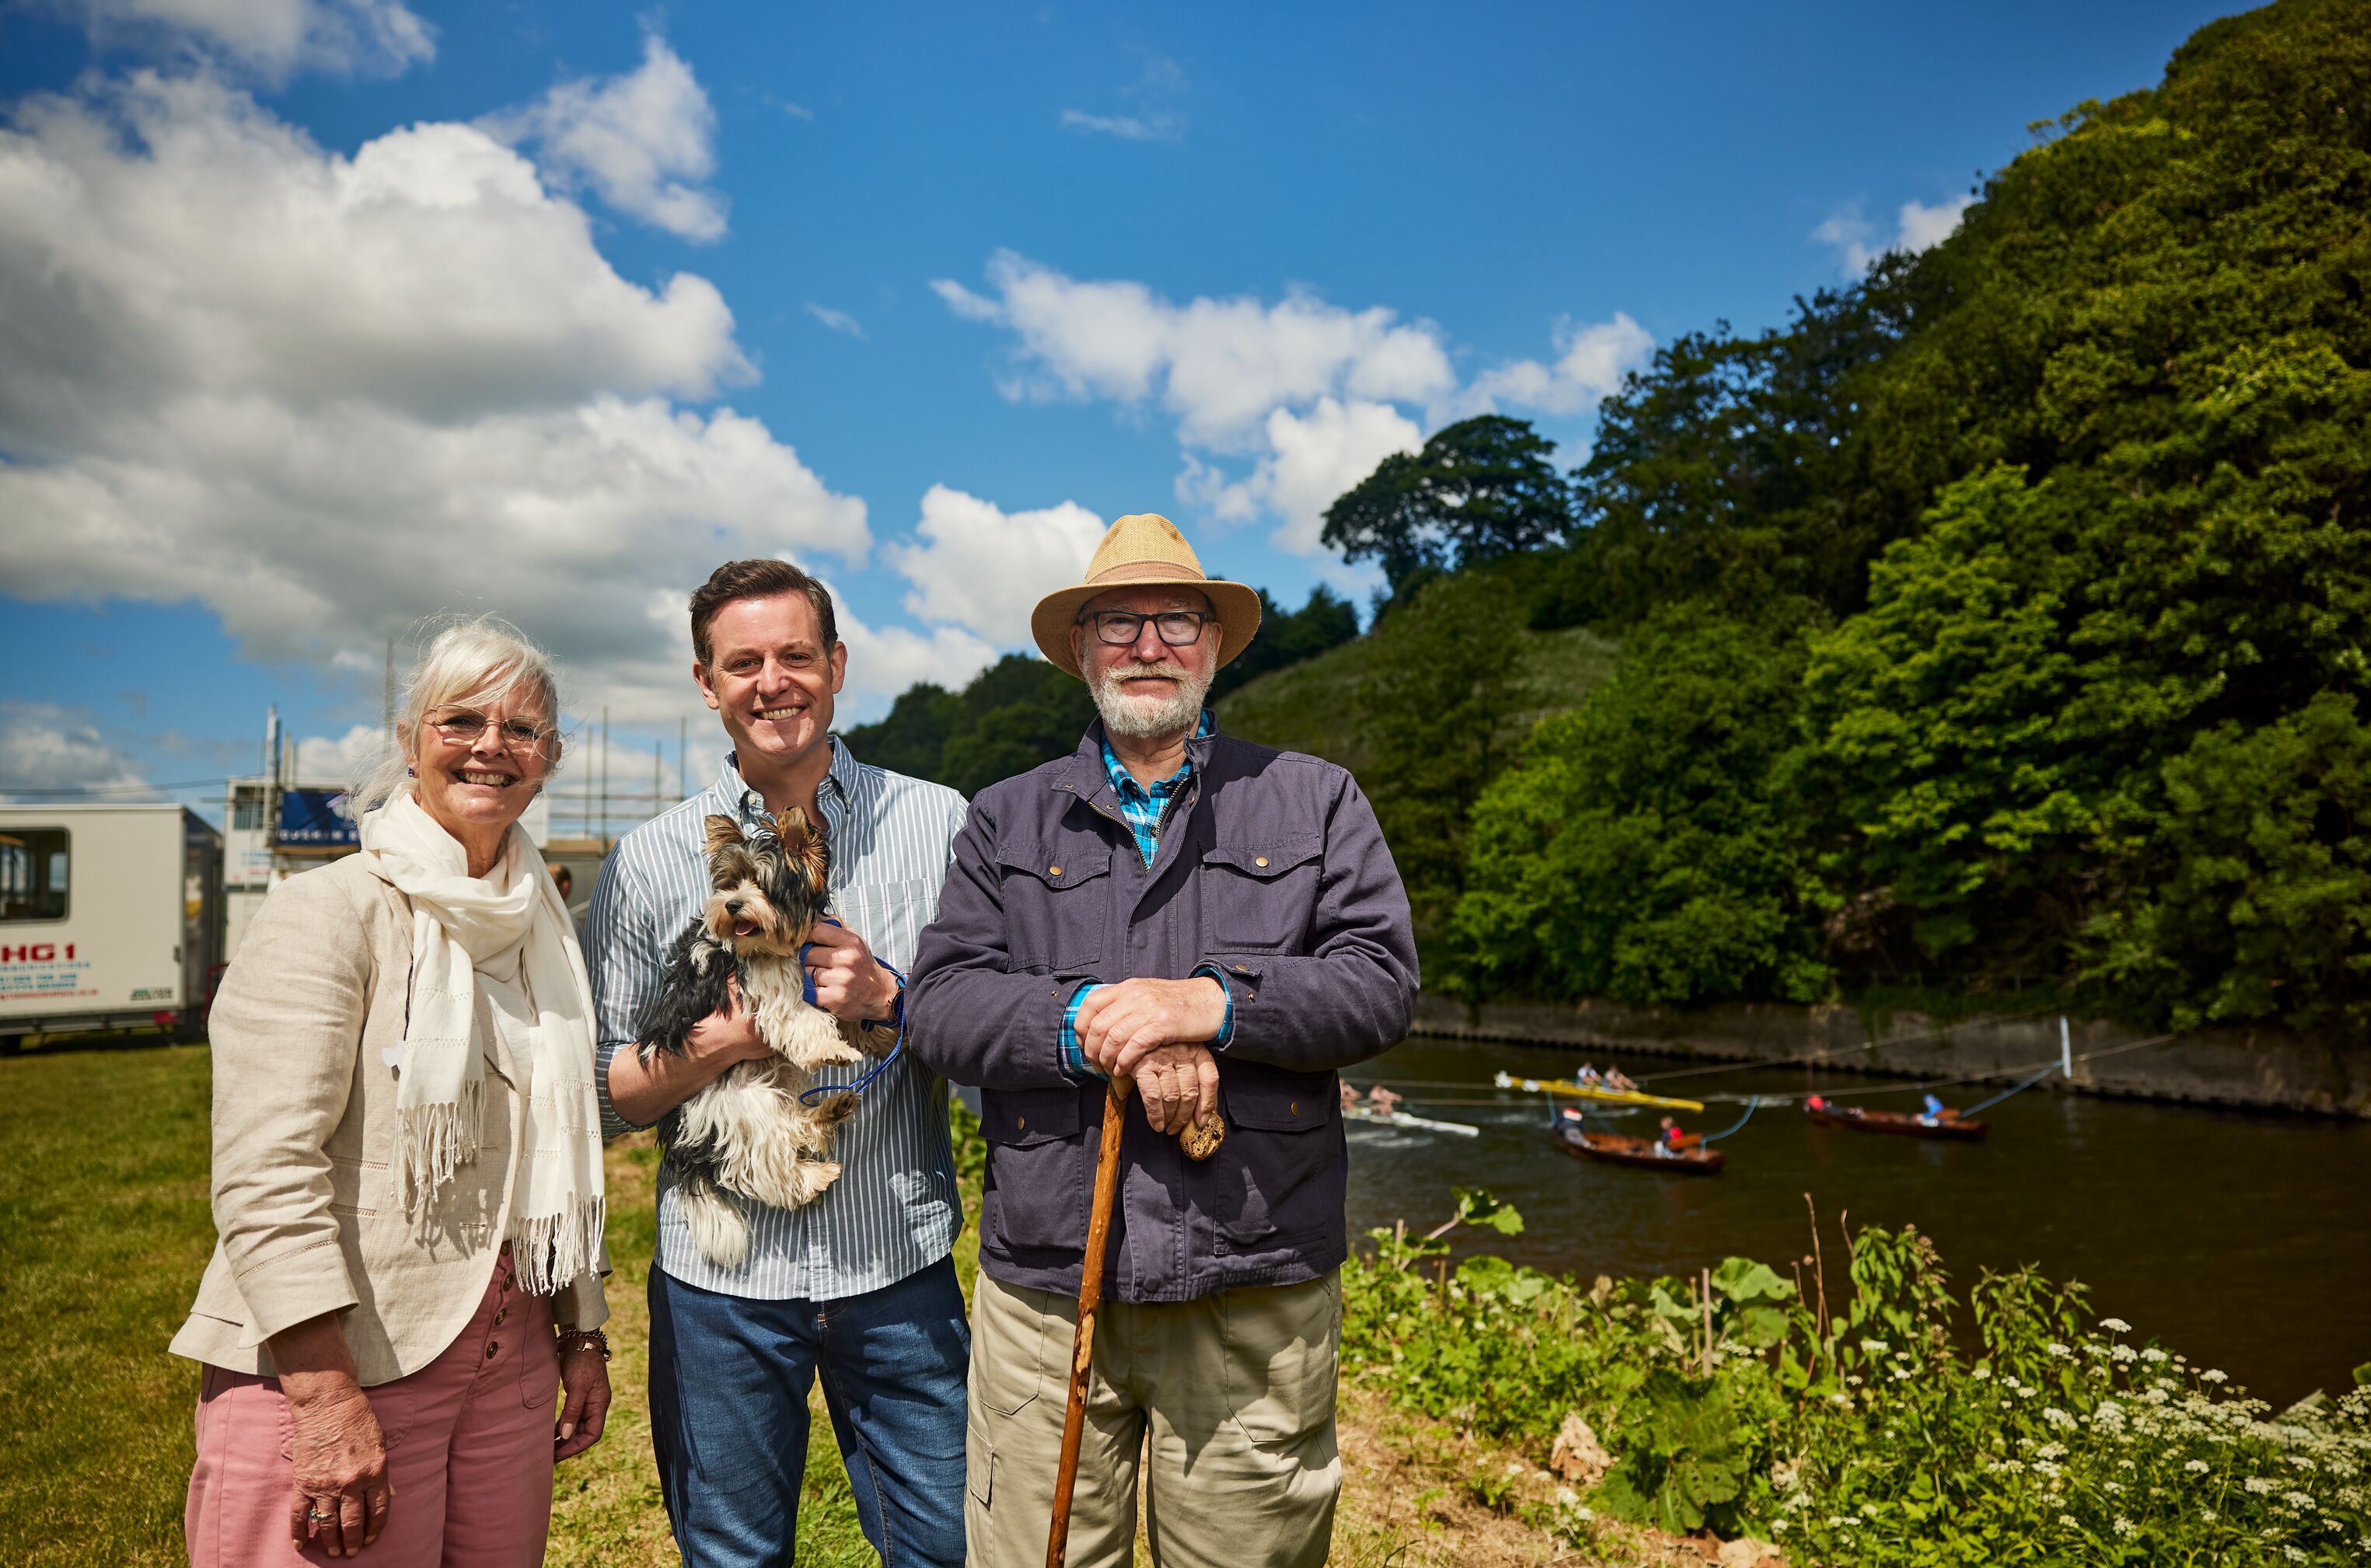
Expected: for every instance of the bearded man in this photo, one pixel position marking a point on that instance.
(1221, 923)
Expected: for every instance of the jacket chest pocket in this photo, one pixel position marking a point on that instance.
(1056, 901)
(1259, 897)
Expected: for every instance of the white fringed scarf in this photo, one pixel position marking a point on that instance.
(511, 928)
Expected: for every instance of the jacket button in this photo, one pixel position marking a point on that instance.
(1022, 1123)
(1053, 870)
(1293, 1109)
(1260, 859)
(491, 1346)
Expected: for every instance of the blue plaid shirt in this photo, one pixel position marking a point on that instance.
(1145, 811)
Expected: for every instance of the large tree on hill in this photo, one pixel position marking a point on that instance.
(1481, 489)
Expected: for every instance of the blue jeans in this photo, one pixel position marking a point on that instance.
(729, 1381)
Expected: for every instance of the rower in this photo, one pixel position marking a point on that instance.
(1349, 1096)
(1382, 1100)
(1673, 1141)
(1933, 1113)
(1616, 1078)
(1588, 1076)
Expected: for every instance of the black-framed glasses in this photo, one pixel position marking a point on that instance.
(1178, 628)
(462, 727)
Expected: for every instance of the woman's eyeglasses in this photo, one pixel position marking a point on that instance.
(462, 726)
(1178, 628)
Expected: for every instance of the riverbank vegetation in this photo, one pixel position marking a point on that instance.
(1857, 1410)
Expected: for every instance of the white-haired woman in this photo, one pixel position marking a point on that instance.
(407, 1166)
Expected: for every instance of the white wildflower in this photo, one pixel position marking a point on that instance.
(2301, 1500)
(1875, 1346)
(2196, 1467)
(2115, 1325)
(2058, 1417)
(2257, 1485)
(2212, 1376)
(2054, 1348)
(2068, 1520)
(2152, 1355)
(2126, 1355)
(1566, 1496)
(2123, 1527)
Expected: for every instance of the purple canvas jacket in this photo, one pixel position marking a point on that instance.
(1272, 867)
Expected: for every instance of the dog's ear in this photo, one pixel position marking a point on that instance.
(723, 832)
(802, 842)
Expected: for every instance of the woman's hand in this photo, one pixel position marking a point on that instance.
(342, 1492)
(584, 1399)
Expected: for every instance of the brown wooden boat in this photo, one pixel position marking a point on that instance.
(1613, 1148)
(1900, 1124)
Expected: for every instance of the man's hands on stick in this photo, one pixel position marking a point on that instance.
(1158, 1033)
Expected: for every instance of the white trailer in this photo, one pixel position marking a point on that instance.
(110, 916)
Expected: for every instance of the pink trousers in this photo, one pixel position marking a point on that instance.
(469, 1453)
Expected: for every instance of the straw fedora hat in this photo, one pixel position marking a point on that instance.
(1144, 550)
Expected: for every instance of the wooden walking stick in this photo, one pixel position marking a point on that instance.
(1201, 1139)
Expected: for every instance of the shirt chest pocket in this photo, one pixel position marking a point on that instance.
(1261, 897)
(1057, 903)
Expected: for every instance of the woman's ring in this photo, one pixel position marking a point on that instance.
(319, 1517)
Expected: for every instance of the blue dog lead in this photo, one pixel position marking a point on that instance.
(897, 1019)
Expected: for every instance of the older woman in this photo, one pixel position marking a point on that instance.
(407, 1167)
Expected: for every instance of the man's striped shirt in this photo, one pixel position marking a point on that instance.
(894, 1209)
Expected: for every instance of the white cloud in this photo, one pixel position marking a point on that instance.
(884, 661)
(1313, 395)
(1924, 227)
(45, 748)
(326, 395)
(1219, 365)
(1587, 371)
(838, 320)
(1917, 228)
(1127, 127)
(980, 567)
(319, 756)
(271, 37)
(643, 140)
(1312, 460)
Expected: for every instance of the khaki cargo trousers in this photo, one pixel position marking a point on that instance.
(1227, 1402)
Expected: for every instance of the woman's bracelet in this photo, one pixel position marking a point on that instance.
(571, 1339)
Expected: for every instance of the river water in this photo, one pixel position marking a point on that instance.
(2240, 1239)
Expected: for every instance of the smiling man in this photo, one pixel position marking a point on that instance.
(1222, 924)
(857, 1286)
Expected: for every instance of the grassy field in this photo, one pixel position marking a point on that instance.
(103, 1204)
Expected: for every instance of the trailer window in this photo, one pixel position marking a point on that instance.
(33, 866)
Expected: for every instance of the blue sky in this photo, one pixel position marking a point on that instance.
(319, 317)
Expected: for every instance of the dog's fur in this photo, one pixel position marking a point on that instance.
(745, 1134)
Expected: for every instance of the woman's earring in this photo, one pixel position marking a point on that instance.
(411, 773)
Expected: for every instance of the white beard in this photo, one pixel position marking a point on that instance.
(1137, 717)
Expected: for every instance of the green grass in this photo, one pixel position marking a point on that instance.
(1313, 706)
(103, 1203)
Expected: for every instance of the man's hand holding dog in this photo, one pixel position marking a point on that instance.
(1158, 1033)
(850, 983)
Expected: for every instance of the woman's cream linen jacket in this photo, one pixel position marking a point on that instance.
(304, 1126)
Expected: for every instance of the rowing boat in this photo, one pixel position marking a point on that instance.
(1613, 1148)
(1900, 1124)
(1402, 1119)
(1592, 1091)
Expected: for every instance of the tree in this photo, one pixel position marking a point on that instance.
(1641, 849)
(1435, 711)
(913, 738)
(1481, 489)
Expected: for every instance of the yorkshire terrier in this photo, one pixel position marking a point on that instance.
(747, 1134)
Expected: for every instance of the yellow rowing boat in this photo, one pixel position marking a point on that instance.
(1592, 1091)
